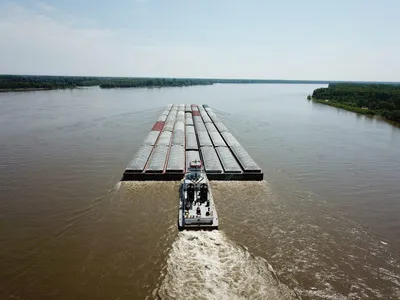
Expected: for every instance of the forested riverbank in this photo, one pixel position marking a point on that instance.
(369, 99)
(28, 83)
(152, 82)
(20, 83)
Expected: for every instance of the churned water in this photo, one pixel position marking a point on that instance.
(207, 265)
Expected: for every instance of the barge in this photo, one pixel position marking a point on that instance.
(184, 133)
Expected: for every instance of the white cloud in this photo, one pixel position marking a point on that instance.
(34, 43)
(37, 44)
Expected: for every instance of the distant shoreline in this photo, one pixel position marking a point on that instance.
(39, 89)
(22, 83)
(26, 90)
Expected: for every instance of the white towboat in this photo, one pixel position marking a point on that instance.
(196, 204)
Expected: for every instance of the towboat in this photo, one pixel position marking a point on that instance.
(196, 204)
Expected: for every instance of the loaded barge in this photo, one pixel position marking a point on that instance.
(187, 133)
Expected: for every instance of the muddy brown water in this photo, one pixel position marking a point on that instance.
(323, 225)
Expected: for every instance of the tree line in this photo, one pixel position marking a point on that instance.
(153, 82)
(18, 82)
(21, 82)
(31, 82)
(380, 99)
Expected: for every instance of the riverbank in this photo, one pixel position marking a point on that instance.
(105, 86)
(356, 110)
(21, 83)
(38, 89)
(381, 100)
(23, 90)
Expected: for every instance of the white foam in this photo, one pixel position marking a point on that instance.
(118, 186)
(207, 265)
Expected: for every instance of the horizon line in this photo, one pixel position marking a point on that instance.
(213, 78)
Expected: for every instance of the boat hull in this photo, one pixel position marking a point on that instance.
(183, 226)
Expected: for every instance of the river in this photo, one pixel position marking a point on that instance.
(323, 225)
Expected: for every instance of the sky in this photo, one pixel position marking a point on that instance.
(286, 39)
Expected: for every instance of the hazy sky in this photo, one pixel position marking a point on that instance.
(286, 39)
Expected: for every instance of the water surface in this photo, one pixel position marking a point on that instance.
(324, 224)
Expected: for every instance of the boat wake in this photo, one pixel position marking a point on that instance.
(207, 265)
